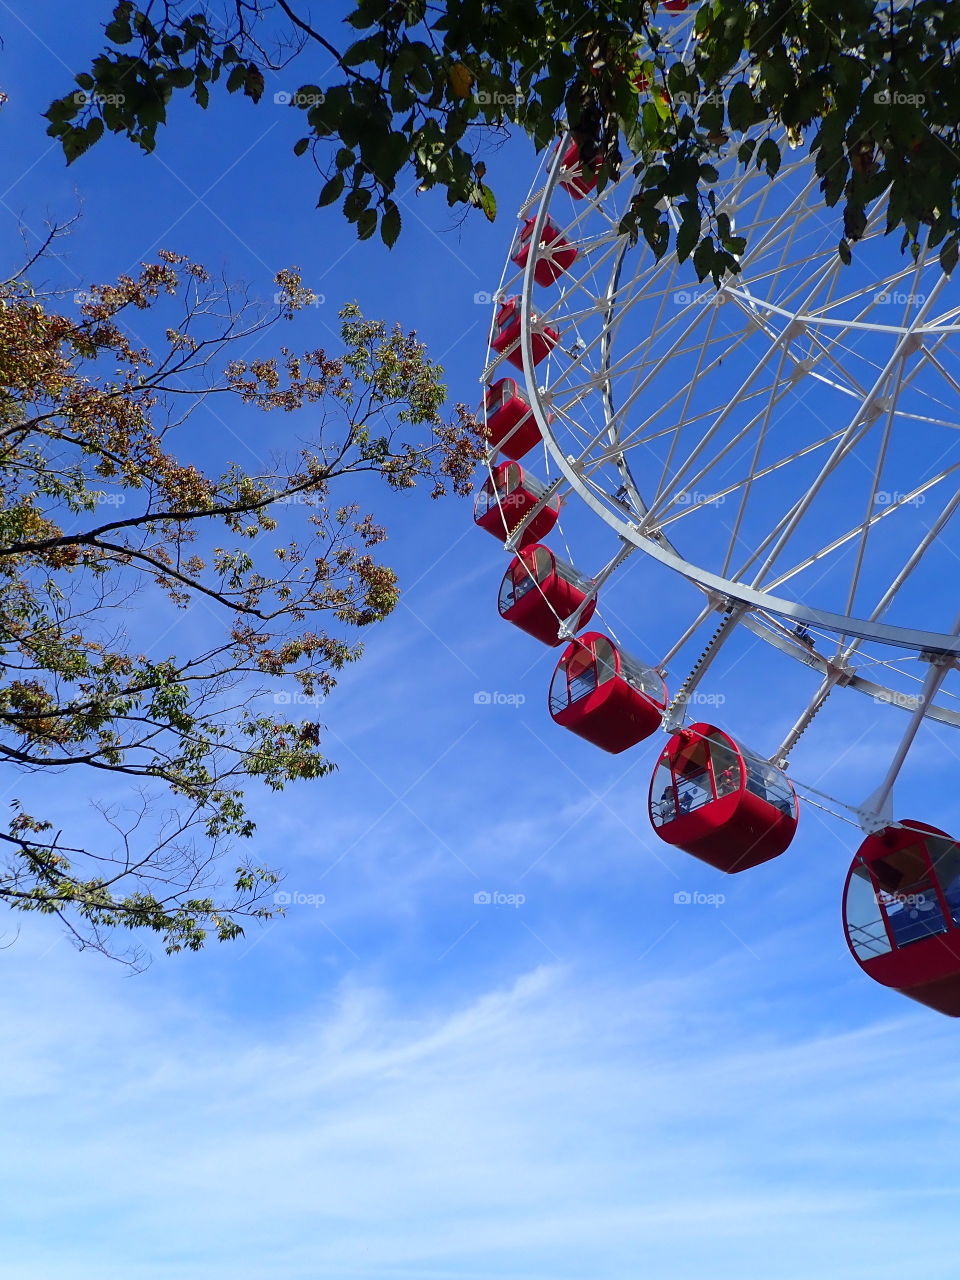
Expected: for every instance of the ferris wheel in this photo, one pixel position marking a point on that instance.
(787, 444)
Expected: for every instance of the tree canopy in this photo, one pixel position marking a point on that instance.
(108, 537)
(419, 88)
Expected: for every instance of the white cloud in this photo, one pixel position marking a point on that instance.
(556, 1127)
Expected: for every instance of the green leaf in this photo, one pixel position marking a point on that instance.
(843, 249)
(370, 49)
(488, 202)
(300, 146)
(390, 225)
(687, 237)
(703, 258)
(79, 139)
(253, 83)
(660, 103)
(741, 108)
(308, 95)
(357, 200)
(118, 31)
(366, 224)
(330, 191)
(180, 77)
(768, 154)
(236, 79)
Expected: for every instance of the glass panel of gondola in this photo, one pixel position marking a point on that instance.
(866, 925)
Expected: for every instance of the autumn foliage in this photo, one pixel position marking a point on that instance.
(111, 530)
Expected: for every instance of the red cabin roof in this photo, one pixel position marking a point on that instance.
(901, 913)
(605, 695)
(538, 592)
(714, 799)
(506, 497)
(512, 427)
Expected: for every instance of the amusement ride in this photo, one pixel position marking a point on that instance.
(786, 444)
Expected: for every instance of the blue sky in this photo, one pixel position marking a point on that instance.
(595, 1083)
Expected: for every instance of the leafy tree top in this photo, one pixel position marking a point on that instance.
(419, 87)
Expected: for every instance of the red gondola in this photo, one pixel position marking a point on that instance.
(555, 255)
(573, 177)
(539, 591)
(513, 428)
(505, 499)
(714, 799)
(605, 695)
(676, 6)
(506, 334)
(901, 913)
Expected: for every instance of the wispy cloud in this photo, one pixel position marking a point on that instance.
(552, 1127)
